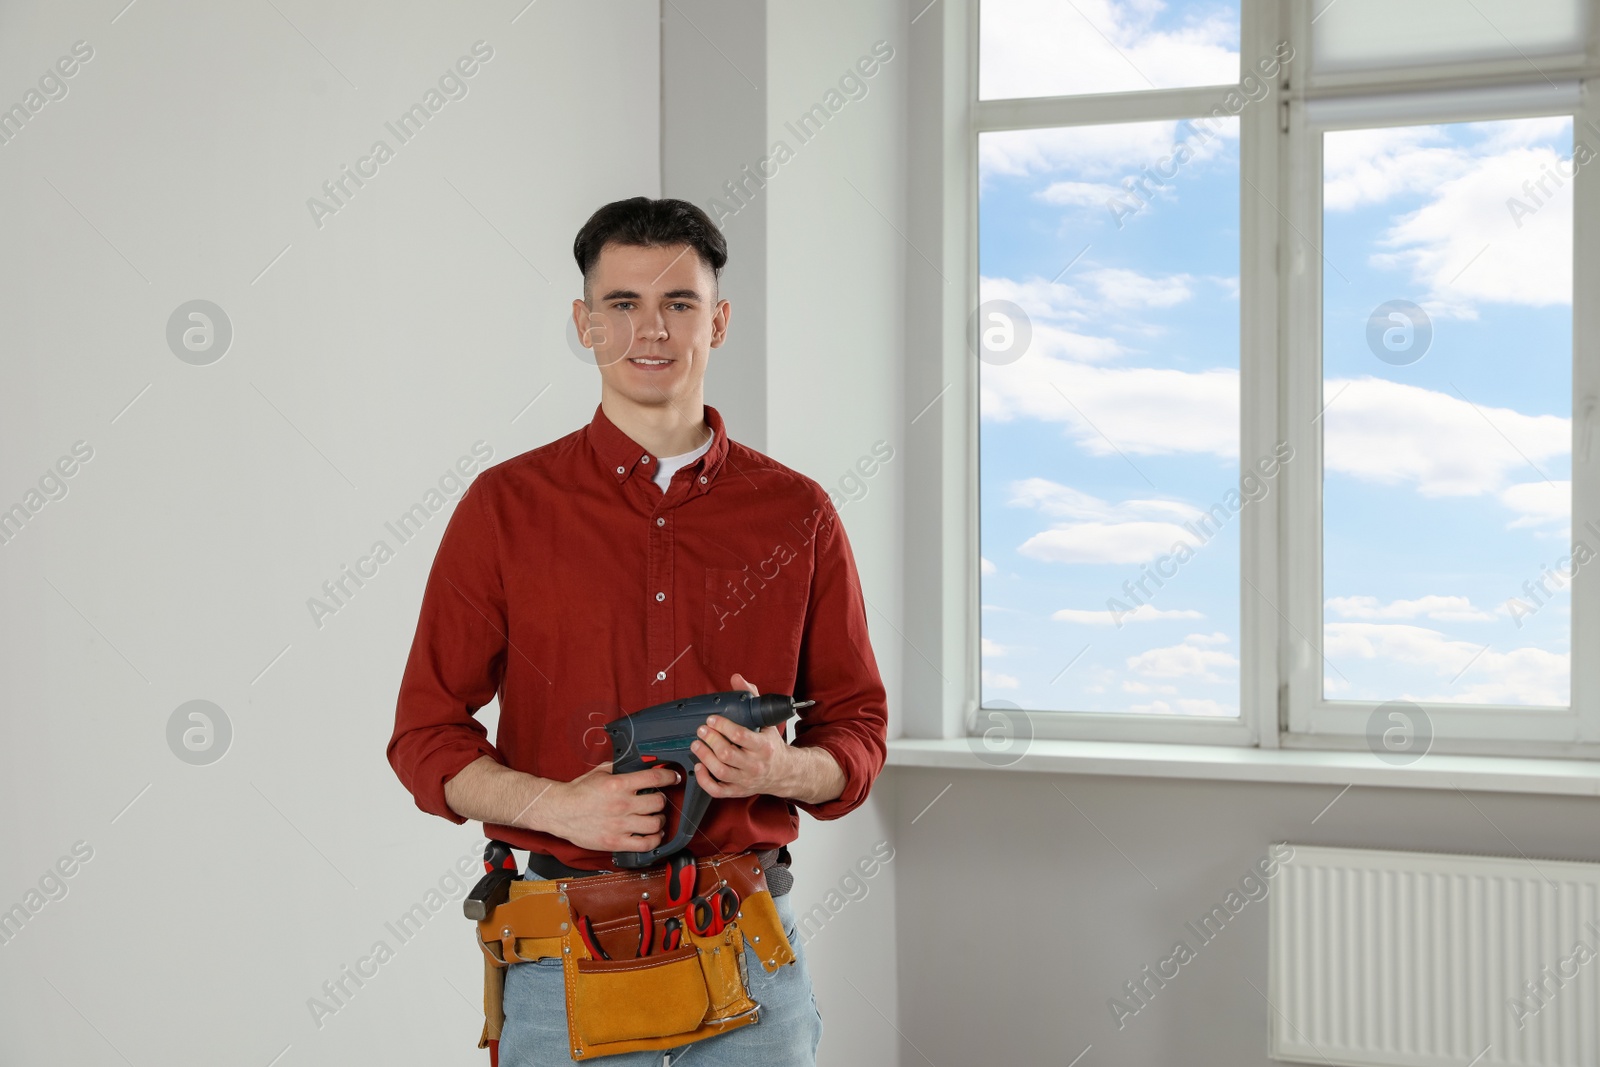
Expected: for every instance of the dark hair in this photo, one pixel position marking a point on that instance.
(650, 223)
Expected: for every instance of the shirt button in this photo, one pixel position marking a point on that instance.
(661, 522)
(660, 597)
(702, 479)
(661, 676)
(621, 469)
(644, 459)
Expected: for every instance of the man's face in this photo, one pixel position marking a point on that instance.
(652, 322)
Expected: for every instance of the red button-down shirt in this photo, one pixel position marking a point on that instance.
(568, 585)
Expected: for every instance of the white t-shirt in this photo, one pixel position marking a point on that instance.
(667, 466)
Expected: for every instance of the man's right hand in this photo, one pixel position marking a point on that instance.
(606, 812)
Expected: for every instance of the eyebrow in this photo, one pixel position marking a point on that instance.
(672, 294)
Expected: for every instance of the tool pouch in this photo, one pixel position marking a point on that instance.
(626, 1004)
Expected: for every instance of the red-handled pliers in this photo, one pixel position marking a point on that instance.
(647, 928)
(591, 942)
(681, 873)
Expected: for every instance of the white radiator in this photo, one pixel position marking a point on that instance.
(1414, 959)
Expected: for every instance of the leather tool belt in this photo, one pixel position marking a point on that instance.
(666, 998)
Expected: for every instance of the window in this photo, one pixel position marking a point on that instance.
(1111, 586)
(1276, 393)
(1446, 394)
(1434, 542)
(1047, 48)
(1108, 340)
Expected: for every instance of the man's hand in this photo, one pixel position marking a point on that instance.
(736, 761)
(606, 812)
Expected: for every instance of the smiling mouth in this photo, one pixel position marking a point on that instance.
(648, 361)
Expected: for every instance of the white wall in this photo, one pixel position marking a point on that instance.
(713, 115)
(364, 362)
(837, 359)
(1090, 879)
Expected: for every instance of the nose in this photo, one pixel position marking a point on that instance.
(653, 327)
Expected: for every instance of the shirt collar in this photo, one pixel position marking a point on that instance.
(620, 455)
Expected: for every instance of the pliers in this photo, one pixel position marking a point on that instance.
(591, 942)
(671, 934)
(680, 890)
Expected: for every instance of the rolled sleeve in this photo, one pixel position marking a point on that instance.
(839, 671)
(457, 659)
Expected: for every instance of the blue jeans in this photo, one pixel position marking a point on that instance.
(535, 1030)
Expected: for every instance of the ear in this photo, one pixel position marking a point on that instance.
(580, 319)
(719, 323)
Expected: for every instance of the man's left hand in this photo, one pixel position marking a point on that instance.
(736, 761)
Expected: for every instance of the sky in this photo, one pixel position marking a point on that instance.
(1105, 444)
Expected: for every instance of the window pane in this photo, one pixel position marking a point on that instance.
(1109, 387)
(1056, 48)
(1447, 393)
(1364, 34)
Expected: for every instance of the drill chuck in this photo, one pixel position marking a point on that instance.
(773, 708)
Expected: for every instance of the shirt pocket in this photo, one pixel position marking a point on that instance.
(753, 626)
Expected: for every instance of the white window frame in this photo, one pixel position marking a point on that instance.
(1474, 91)
(1280, 381)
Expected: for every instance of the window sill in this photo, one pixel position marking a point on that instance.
(1496, 774)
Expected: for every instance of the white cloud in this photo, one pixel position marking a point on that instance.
(1079, 194)
(1363, 167)
(1229, 283)
(1092, 293)
(1144, 410)
(1206, 707)
(1443, 608)
(1396, 434)
(1520, 676)
(1417, 645)
(1103, 542)
(1385, 432)
(1539, 503)
(1467, 248)
(1130, 686)
(1465, 245)
(1052, 340)
(1064, 317)
(1142, 613)
(985, 567)
(1521, 133)
(1044, 48)
(1063, 501)
(1119, 289)
(1370, 166)
(1129, 532)
(990, 648)
(1043, 300)
(1187, 660)
(995, 680)
(1186, 706)
(1127, 158)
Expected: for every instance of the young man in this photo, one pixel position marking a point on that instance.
(641, 559)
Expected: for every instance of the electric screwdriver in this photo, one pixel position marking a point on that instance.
(663, 733)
